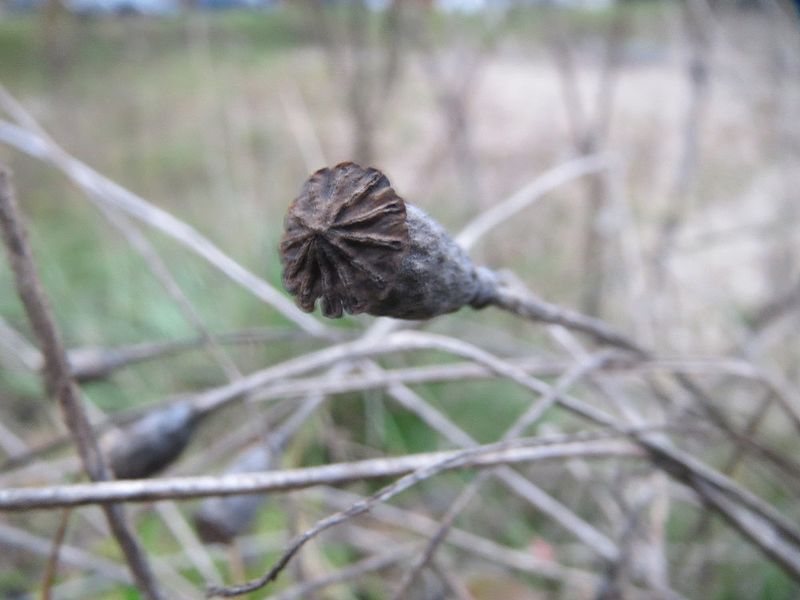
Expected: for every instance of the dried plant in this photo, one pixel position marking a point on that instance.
(641, 437)
(353, 242)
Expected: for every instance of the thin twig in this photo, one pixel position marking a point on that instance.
(446, 461)
(530, 194)
(703, 521)
(436, 540)
(698, 30)
(589, 133)
(527, 305)
(485, 549)
(510, 478)
(189, 543)
(534, 413)
(390, 378)
(91, 363)
(363, 567)
(51, 568)
(59, 382)
(681, 466)
(448, 577)
(182, 488)
(19, 539)
(164, 276)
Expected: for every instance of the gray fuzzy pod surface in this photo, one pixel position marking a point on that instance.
(351, 242)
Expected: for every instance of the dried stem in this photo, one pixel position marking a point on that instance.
(528, 306)
(436, 540)
(444, 462)
(18, 539)
(484, 549)
(530, 194)
(51, 568)
(534, 413)
(58, 379)
(371, 564)
(164, 276)
(395, 378)
(696, 21)
(589, 133)
(511, 479)
(703, 522)
(182, 488)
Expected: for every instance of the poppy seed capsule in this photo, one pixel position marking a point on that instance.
(221, 519)
(350, 240)
(153, 442)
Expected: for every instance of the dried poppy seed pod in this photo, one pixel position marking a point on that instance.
(153, 442)
(350, 240)
(222, 519)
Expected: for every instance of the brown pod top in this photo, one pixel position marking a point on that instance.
(344, 240)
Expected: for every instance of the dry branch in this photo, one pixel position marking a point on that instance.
(378, 562)
(531, 193)
(527, 306)
(18, 539)
(529, 417)
(181, 488)
(59, 382)
(510, 478)
(485, 549)
(51, 568)
(417, 475)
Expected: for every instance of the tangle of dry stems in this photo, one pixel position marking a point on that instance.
(752, 517)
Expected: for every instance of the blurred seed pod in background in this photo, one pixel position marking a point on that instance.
(153, 442)
(221, 519)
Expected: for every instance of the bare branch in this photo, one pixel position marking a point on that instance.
(470, 543)
(527, 306)
(52, 562)
(370, 564)
(531, 193)
(446, 461)
(59, 381)
(11, 537)
(534, 413)
(436, 540)
(182, 488)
